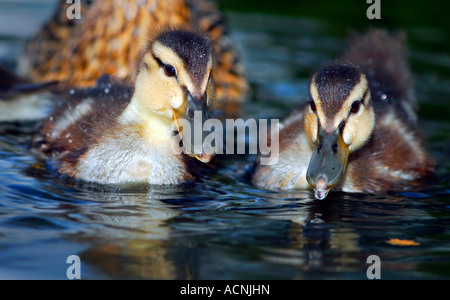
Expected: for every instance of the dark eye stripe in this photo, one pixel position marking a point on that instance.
(168, 69)
(366, 95)
(160, 63)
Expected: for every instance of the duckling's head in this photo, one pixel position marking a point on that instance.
(340, 120)
(174, 79)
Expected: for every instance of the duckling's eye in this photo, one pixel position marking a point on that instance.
(355, 106)
(169, 70)
(313, 106)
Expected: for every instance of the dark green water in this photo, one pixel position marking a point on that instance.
(222, 227)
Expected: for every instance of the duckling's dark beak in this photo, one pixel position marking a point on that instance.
(328, 162)
(195, 111)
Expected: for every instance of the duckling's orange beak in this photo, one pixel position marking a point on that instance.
(328, 163)
(189, 119)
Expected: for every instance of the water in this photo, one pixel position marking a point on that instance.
(222, 227)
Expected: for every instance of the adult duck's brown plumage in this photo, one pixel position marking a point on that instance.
(110, 35)
(115, 134)
(359, 131)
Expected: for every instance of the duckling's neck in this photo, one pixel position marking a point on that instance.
(152, 127)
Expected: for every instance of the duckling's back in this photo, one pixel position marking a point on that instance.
(383, 59)
(80, 118)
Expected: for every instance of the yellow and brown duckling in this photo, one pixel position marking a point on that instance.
(358, 132)
(114, 134)
(108, 37)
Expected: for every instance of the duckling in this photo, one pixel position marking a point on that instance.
(109, 35)
(358, 132)
(115, 134)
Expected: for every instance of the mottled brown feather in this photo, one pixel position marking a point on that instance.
(111, 35)
(72, 142)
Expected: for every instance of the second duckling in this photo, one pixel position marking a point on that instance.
(358, 132)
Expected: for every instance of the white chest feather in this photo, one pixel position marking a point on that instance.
(130, 159)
